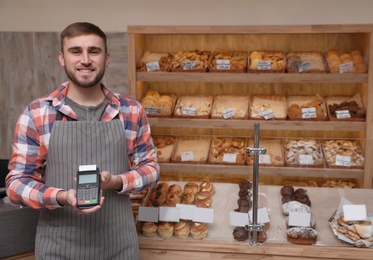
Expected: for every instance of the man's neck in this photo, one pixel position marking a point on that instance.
(86, 96)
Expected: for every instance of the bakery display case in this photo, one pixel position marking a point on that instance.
(302, 42)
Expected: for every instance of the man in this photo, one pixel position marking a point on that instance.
(82, 123)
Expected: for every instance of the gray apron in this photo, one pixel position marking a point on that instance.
(109, 233)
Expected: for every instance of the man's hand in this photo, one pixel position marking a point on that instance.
(68, 198)
(110, 182)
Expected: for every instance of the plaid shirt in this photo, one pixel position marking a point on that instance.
(30, 147)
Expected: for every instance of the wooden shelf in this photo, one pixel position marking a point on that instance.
(342, 37)
(250, 77)
(265, 125)
(265, 171)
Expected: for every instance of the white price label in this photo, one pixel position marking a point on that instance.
(342, 114)
(223, 64)
(346, 67)
(309, 112)
(187, 65)
(264, 65)
(267, 114)
(305, 159)
(152, 66)
(187, 156)
(227, 113)
(343, 160)
(152, 110)
(304, 66)
(230, 157)
(264, 159)
(190, 111)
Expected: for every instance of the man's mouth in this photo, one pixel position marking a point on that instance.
(85, 70)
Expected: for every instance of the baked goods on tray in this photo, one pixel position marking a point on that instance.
(190, 61)
(347, 62)
(274, 155)
(305, 62)
(304, 153)
(302, 235)
(193, 106)
(266, 107)
(227, 150)
(164, 146)
(191, 150)
(340, 153)
(267, 61)
(306, 108)
(228, 61)
(157, 104)
(335, 183)
(154, 61)
(346, 108)
(231, 106)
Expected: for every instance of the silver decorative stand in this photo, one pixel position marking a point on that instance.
(253, 225)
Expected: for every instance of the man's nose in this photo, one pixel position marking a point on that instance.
(86, 59)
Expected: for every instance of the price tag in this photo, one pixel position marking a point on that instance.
(267, 114)
(304, 66)
(264, 65)
(171, 214)
(346, 67)
(264, 159)
(355, 212)
(152, 66)
(223, 64)
(309, 112)
(343, 160)
(190, 111)
(230, 157)
(299, 219)
(305, 159)
(227, 113)
(342, 114)
(187, 156)
(148, 214)
(151, 110)
(187, 65)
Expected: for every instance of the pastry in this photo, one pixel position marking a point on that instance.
(260, 237)
(165, 229)
(158, 197)
(268, 107)
(163, 60)
(199, 230)
(315, 62)
(295, 206)
(149, 229)
(193, 60)
(276, 59)
(197, 150)
(351, 104)
(207, 186)
(303, 152)
(245, 185)
(182, 229)
(302, 235)
(287, 190)
(349, 148)
(175, 189)
(274, 155)
(240, 233)
(332, 183)
(230, 106)
(203, 195)
(297, 104)
(188, 199)
(161, 186)
(193, 106)
(234, 147)
(156, 104)
(228, 61)
(203, 204)
(191, 187)
(172, 199)
(164, 146)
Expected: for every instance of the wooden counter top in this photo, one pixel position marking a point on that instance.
(219, 243)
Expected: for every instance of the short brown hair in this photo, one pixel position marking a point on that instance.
(82, 28)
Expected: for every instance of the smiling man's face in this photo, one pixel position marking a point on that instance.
(84, 59)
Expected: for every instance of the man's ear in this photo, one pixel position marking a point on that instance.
(61, 59)
(107, 62)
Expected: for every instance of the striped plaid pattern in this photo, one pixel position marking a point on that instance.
(24, 182)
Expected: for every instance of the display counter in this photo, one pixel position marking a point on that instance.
(17, 229)
(219, 243)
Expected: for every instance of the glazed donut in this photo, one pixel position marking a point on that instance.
(191, 187)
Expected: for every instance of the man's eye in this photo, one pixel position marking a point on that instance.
(75, 52)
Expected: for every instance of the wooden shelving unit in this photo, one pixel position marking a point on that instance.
(286, 38)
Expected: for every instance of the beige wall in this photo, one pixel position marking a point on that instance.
(115, 15)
